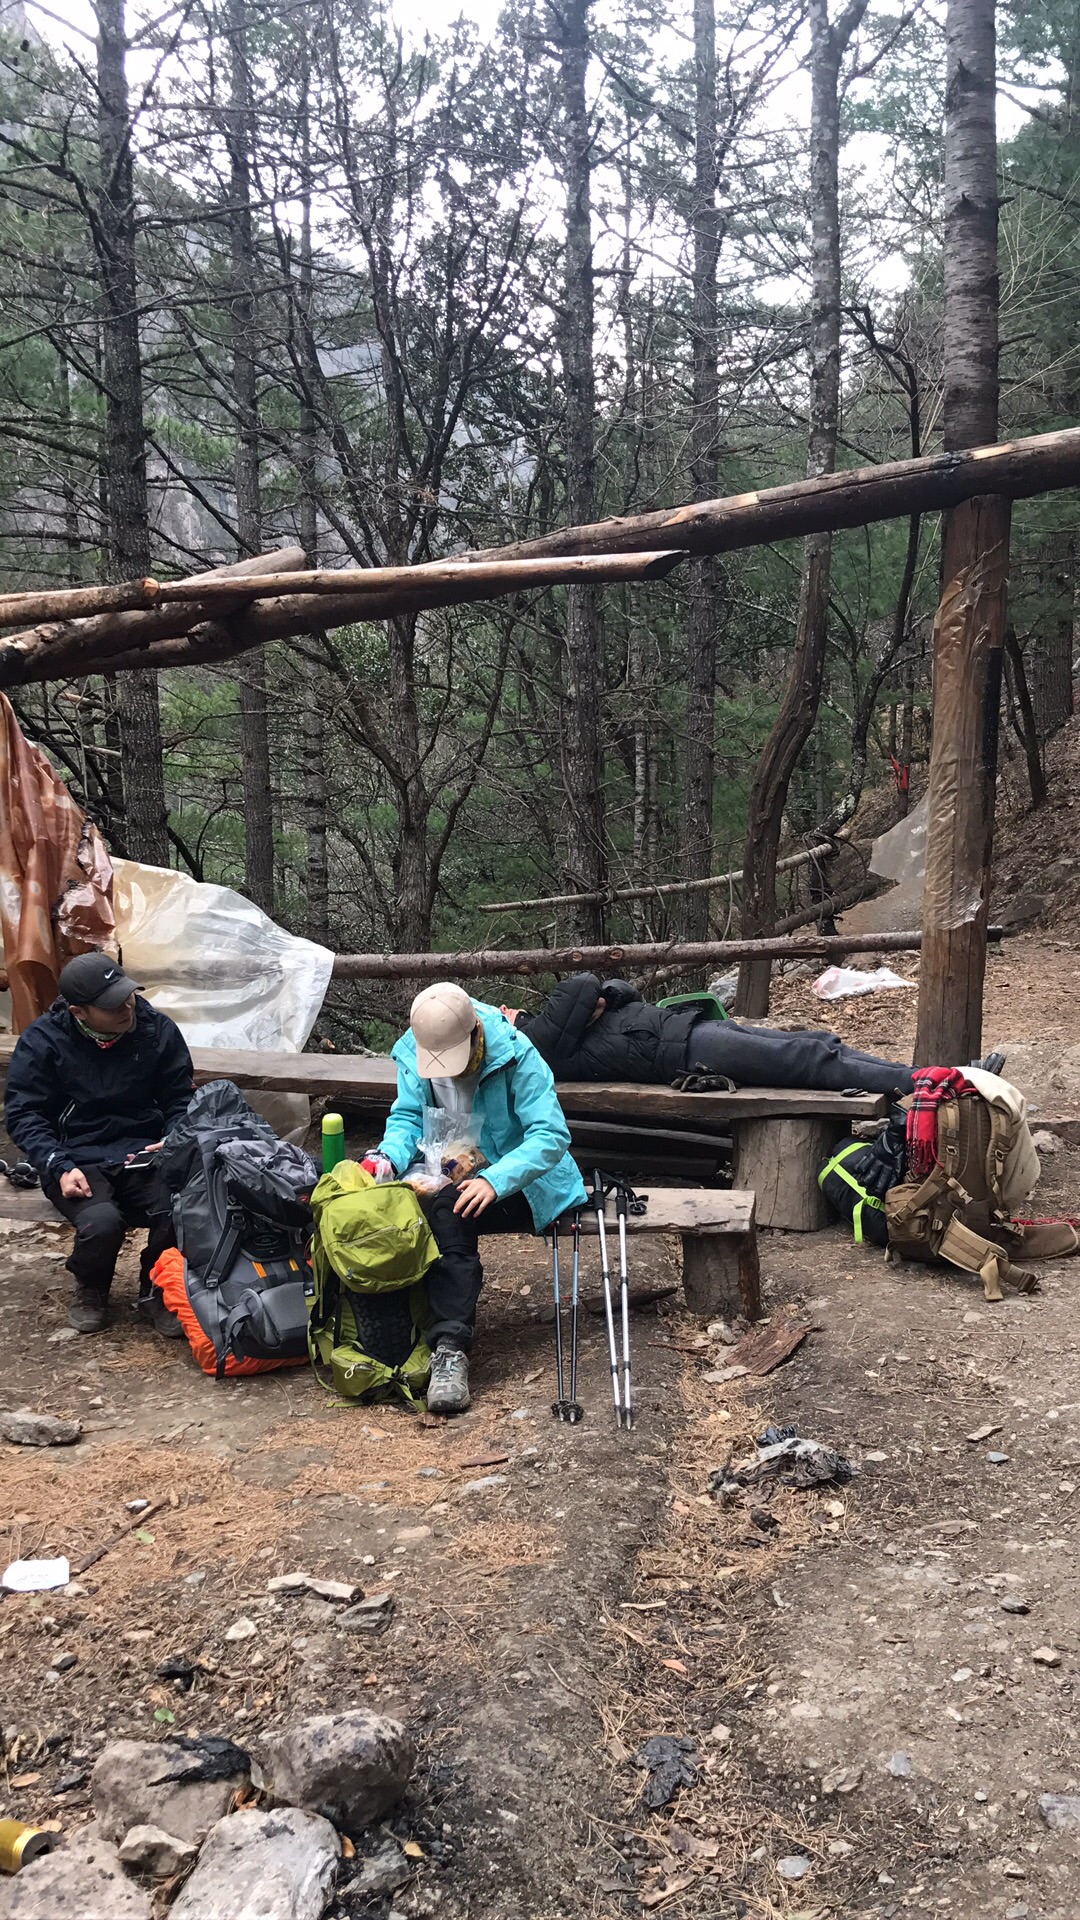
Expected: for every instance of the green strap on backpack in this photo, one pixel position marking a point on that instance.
(367, 1307)
(865, 1199)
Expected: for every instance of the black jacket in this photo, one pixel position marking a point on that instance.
(632, 1040)
(70, 1103)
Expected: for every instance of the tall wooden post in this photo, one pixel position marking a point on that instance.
(970, 628)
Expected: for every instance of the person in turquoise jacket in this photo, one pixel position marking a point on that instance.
(465, 1058)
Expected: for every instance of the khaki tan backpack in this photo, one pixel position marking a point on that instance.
(962, 1212)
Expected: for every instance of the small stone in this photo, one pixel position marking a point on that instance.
(412, 1536)
(971, 1318)
(719, 1735)
(133, 1506)
(384, 1871)
(195, 1579)
(65, 1662)
(1013, 1870)
(71, 1782)
(722, 1330)
(38, 1429)
(1012, 1603)
(280, 1865)
(432, 1473)
(242, 1629)
(997, 1459)
(876, 1456)
(719, 1376)
(793, 1866)
(984, 1433)
(1020, 1912)
(370, 1615)
(1046, 1144)
(1060, 1810)
(961, 1676)
(1046, 1657)
(900, 1766)
(151, 1850)
(308, 1583)
(352, 1766)
(62, 1335)
(840, 1780)
(840, 1848)
(480, 1486)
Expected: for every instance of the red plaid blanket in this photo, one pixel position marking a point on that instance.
(932, 1086)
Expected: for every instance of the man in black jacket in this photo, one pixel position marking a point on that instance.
(93, 1086)
(589, 1031)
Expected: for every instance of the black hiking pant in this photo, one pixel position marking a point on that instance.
(761, 1057)
(454, 1282)
(120, 1197)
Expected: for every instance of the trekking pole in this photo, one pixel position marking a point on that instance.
(560, 1396)
(565, 1409)
(577, 1413)
(621, 1198)
(605, 1271)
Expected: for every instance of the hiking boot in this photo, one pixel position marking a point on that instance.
(153, 1310)
(448, 1390)
(990, 1062)
(89, 1310)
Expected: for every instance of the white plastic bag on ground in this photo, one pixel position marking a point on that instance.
(222, 969)
(841, 983)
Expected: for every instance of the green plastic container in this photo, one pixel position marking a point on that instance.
(710, 1006)
(333, 1140)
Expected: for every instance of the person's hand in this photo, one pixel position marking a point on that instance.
(473, 1197)
(599, 1009)
(154, 1146)
(379, 1165)
(75, 1185)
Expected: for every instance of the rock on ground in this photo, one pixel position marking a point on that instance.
(153, 1851)
(182, 1786)
(349, 1766)
(25, 1429)
(263, 1866)
(83, 1878)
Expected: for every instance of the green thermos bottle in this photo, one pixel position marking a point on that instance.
(333, 1140)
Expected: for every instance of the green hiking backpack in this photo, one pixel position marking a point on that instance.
(367, 1306)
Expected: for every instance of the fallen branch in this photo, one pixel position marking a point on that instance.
(137, 1520)
(650, 891)
(1016, 469)
(493, 964)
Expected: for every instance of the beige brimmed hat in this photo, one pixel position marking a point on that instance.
(443, 1020)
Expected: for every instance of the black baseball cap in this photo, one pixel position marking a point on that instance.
(95, 980)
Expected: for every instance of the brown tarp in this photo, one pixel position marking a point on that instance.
(55, 875)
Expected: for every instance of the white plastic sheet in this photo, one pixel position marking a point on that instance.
(35, 1576)
(222, 969)
(843, 983)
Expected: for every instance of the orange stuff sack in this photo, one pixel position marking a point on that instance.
(169, 1274)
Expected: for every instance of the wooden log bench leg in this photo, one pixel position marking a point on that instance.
(779, 1161)
(722, 1275)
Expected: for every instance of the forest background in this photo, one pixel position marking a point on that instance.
(392, 287)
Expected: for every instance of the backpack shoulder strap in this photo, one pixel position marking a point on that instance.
(1002, 1134)
(973, 1254)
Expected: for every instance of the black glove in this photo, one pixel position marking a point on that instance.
(704, 1083)
(618, 993)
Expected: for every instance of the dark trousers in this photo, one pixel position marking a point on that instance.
(760, 1057)
(454, 1282)
(120, 1197)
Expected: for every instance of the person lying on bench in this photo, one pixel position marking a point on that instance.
(463, 1057)
(93, 1086)
(589, 1031)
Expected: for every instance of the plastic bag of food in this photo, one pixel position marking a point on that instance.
(451, 1145)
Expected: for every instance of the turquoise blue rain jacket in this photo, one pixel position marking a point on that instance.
(522, 1130)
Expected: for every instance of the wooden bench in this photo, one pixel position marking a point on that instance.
(718, 1232)
(779, 1137)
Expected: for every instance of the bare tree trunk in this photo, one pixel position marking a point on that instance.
(128, 519)
(316, 860)
(582, 734)
(799, 705)
(970, 626)
(700, 728)
(1026, 730)
(243, 303)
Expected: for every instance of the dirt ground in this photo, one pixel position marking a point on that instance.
(590, 1593)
